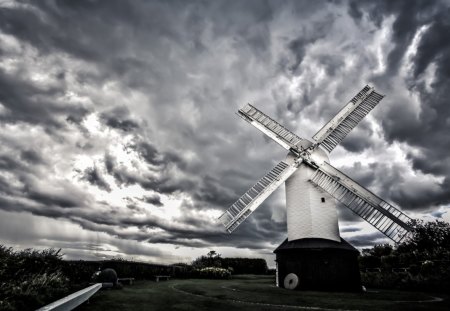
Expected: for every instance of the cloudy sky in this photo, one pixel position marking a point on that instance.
(118, 130)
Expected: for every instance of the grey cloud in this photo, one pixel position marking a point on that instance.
(124, 125)
(367, 240)
(153, 200)
(94, 177)
(151, 154)
(31, 156)
(350, 229)
(433, 47)
(298, 46)
(122, 176)
(27, 102)
(67, 196)
(428, 130)
(408, 17)
(157, 179)
(421, 196)
(359, 139)
(119, 118)
(9, 163)
(213, 191)
(137, 249)
(345, 214)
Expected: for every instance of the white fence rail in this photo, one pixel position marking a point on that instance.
(72, 301)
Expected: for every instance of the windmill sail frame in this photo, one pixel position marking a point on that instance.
(334, 132)
(270, 127)
(250, 200)
(380, 214)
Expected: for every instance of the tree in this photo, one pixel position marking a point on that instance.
(427, 241)
(212, 259)
(213, 254)
(423, 257)
(378, 250)
(430, 237)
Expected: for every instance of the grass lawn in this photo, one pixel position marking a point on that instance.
(252, 293)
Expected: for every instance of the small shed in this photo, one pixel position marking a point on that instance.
(318, 264)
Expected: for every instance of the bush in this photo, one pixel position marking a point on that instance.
(239, 265)
(30, 278)
(213, 273)
(182, 270)
(246, 265)
(82, 271)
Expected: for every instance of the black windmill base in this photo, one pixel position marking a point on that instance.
(318, 264)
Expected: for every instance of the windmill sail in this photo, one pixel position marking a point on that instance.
(247, 203)
(380, 214)
(332, 133)
(270, 127)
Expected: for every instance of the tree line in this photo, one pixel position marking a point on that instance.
(421, 262)
(235, 265)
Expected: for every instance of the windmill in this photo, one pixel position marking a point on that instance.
(314, 256)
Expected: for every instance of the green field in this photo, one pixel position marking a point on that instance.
(253, 293)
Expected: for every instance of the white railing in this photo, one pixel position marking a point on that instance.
(73, 300)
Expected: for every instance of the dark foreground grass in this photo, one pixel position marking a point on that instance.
(253, 293)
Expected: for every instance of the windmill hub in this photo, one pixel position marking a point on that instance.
(314, 256)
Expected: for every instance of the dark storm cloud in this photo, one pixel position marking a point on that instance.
(9, 163)
(27, 102)
(363, 176)
(359, 139)
(60, 196)
(87, 40)
(390, 181)
(46, 18)
(160, 177)
(409, 16)
(298, 46)
(61, 200)
(121, 175)
(154, 157)
(153, 200)
(207, 190)
(212, 190)
(94, 177)
(433, 47)
(427, 130)
(422, 196)
(118, 119)
(190, 231)
(31, 156)
(124, 125)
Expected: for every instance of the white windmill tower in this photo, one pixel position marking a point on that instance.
(314, 255)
